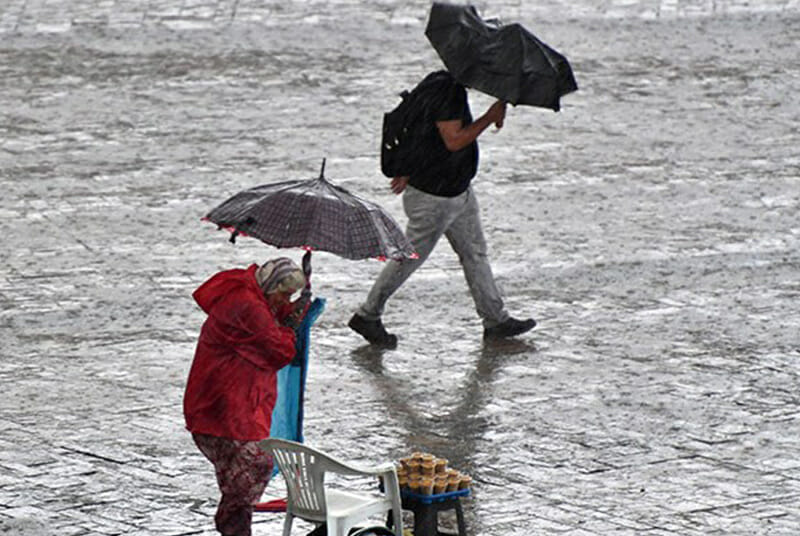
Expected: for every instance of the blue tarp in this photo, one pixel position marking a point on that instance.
(287, 417)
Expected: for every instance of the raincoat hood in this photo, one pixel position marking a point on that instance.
(225, 284)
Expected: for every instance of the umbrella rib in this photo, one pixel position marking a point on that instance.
(316, 222)
(352, 201)
(299, 201)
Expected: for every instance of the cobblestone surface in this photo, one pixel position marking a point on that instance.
(651, 226)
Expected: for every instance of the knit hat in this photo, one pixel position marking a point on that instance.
(280, 275)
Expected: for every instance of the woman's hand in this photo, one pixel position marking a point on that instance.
(299, 309)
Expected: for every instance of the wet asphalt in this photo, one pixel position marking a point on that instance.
(651, 227)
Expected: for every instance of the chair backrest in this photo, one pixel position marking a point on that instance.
(303, 470)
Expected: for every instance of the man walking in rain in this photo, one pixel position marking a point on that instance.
(438, 200)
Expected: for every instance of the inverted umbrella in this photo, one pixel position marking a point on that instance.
(315, 215)
(505, 61)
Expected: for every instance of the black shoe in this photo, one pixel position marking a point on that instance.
(373, 331)
(510, 328)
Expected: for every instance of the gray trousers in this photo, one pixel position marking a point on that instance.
(430, 217)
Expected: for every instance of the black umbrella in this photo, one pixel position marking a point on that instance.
(505, 61)
(315, 215)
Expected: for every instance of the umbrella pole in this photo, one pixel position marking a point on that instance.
(307, 265)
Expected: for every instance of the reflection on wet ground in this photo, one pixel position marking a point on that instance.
(650, 227)
(455, 431)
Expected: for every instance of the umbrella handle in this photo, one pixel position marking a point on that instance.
(307, 270)
(304, 301)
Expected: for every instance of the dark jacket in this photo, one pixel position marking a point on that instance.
(445, 173)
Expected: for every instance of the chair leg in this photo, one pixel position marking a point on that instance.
(397, 521)
(287, 524)
(336, 528)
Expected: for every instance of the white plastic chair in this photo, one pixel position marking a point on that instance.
(303, 468)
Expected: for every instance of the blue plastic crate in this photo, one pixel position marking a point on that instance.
(437, 497)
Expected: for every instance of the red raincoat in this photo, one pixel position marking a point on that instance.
(232, 385)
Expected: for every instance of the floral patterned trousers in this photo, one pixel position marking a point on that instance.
(243, 471)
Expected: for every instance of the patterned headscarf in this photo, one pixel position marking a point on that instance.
(280, 275)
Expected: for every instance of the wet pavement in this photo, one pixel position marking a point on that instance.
(651, 227)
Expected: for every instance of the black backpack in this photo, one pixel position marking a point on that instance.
(406, 128)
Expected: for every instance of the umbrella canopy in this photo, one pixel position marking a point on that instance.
(505, 61)
(315, 215)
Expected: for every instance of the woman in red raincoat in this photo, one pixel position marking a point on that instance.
(232, 387)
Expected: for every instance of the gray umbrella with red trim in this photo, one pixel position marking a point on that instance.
(315, 215)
